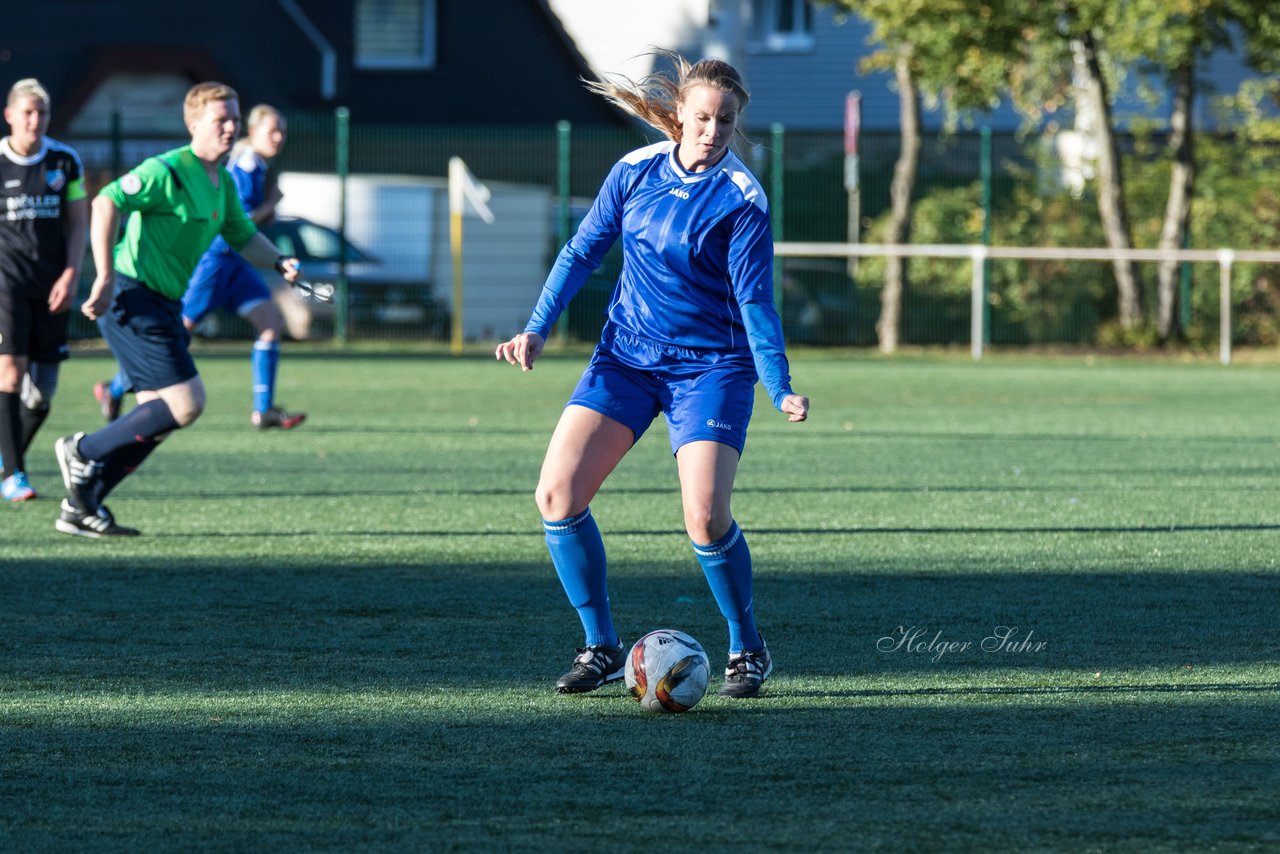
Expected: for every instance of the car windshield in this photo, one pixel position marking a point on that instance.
(311, 242)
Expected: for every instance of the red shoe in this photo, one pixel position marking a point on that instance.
(109, 405)
(275, 417)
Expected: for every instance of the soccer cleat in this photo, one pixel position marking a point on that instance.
(118, 530)
(594, 666)
(277, 417)
(110, 406)
(746, 672)
(93, 525)
(17, 488)
(79, 475)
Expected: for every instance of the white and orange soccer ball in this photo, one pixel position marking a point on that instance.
(667, 671)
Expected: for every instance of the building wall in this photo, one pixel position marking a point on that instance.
(498, 62)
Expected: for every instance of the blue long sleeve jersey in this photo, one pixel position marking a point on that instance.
(249, 173)
(697, 262)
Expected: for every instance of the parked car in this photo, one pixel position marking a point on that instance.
(378, 305)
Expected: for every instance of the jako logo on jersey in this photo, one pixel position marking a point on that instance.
(56, 178)
(676, 191)
(718, 425)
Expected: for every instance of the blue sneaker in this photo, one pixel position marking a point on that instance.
(17, 488)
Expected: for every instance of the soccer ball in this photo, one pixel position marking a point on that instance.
(667, 671)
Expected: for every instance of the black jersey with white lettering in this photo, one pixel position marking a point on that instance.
(34, 192)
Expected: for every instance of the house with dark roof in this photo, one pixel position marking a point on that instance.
(495, 62)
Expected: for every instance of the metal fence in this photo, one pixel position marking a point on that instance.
(967, 183)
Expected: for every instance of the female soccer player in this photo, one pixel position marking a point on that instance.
(691, 326)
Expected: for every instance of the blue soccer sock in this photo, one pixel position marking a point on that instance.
(266, 358)
(119, 385)
(142, 423)
(727, 566)
(578, 554)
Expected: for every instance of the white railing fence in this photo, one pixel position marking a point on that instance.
(977, 254)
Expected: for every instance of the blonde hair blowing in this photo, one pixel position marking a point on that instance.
(202, 94)
(653, 99)
(28, 87)
(260, 113)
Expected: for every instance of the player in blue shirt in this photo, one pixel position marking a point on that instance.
(225, 280)
(691, 326)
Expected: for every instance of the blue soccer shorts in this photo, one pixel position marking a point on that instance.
(145, 333)
(223, 281)
(701, 401)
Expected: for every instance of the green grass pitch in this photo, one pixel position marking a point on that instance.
(345, 636)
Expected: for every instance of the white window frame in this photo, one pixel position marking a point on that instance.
(770, 40)
(426, 60)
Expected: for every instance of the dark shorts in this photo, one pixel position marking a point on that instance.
(702, 399)
(146, 335)
(223, 281)
(28, 329)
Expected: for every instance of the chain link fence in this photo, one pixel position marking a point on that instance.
(1015, 186)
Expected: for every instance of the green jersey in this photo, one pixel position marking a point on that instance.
(173, 213)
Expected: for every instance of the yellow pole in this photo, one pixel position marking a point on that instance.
(455, 244)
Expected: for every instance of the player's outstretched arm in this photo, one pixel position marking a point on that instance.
(521, 350)
(796, 406)
(261, 252)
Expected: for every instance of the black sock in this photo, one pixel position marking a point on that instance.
(10, 432)
(147, 420)
(121, 463)
(31, 421)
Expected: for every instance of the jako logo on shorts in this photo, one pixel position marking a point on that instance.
(718, 425)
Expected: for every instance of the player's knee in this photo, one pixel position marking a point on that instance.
(706, 524)
(10, 378)
(185, 412)
(555, 502)
(268, 320)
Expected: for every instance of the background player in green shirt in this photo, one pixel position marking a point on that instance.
(175, 204)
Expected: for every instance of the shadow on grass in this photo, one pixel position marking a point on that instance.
(168, 703)
(156, 622)
(1055, 690)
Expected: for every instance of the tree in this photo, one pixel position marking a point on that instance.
(952, 51)
(1068, 63)
(1174, 38)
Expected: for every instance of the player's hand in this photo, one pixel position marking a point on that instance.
(521, 350)
(62, 292)
(289, 267)
(99, 298)
(796, 406)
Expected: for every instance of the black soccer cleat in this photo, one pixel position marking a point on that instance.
(93, 525)
(593, 667)
(79, 475)
(746, 672)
